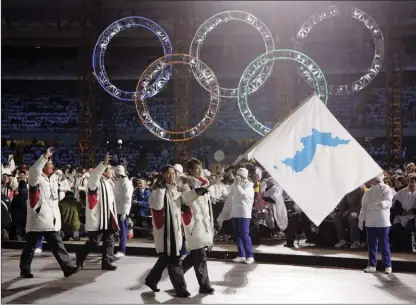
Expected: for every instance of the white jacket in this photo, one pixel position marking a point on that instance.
(408, 202)
(376, 204)
(63, 185)
(100, 212)
(277, 210)
(241, 199)
(81, 185)
(173, 208)
(199, 222)
(123, 193)
(219, 191)
(42, 208)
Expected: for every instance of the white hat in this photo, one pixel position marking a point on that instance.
(207, 173)
(398, 172)
(59, 172)
(178, 168)
(119, 170)
(243, 172)
(380, 177)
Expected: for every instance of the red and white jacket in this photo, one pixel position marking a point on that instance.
(164, 214)
(198, 222)
(101, 212)
(42, 208)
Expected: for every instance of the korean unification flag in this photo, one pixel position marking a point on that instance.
(314, 159)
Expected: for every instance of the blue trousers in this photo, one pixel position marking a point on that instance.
(123, 233)
(241, 228)
(378, 237)
(40, 243)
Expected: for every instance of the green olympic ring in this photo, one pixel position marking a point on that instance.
(244, 86)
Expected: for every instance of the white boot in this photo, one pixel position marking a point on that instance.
(388, 270)
(38, 252)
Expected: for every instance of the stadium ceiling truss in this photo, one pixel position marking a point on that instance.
(394, 87)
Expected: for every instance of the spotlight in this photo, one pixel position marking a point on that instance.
(120, 141)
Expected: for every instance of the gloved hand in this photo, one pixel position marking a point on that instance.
(361, 225)
(160, 183)
(201, 191)
(123, 217)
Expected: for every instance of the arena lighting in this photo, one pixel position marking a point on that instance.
(120, 142)
(206, 77)
(318, 78)
(102, 43)
(210, 24)
(369, 23)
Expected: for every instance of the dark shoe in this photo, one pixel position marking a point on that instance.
(289, 245)
(70, 270)
(79, 262)
(206, 290)
(183, 294)
(108, 267)
(26, 274)
(113, 259)
(152, 286)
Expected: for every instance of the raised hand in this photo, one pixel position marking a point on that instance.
(49, 153)
(107, 158)
(200, 191)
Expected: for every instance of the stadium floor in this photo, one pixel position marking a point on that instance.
(234, 283)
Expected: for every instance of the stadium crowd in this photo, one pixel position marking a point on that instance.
(272, 213)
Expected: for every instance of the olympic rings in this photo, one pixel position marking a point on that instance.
(101, 46)
(369, 23)
(224, 17)
(206, 76)
(319, 82)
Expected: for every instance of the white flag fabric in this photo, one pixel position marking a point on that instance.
(314, 159)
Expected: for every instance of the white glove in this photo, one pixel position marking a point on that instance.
(123, 217)
(361, 225)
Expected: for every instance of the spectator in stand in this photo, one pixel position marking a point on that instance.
(141, 205)
(346, 219)
(22, 176)
(410, 168)
(63, 184)
(70, 209)
(6, 220)
(8, 185)
(375, 215)
(399, 182)
(404, 214)
(18, 210)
